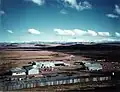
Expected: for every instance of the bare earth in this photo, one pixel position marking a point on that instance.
(21, 58)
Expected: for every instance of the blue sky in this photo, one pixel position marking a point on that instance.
(59, 20)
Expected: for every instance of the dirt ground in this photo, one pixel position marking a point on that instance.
(20, 58)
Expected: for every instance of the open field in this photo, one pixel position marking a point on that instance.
(20, 57)
(108, 55)
(106, 51)
(12, 58)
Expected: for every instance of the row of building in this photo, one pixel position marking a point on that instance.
(35, 68)
(40, 68)
(99, 66)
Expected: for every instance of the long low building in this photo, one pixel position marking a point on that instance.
(102, 66)
(35, 68)
(49, 64)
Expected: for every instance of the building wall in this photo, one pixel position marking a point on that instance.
(49, 64)
(22, 73)
(33, 71)
(45, 64)
(84, 82)
(94, 66)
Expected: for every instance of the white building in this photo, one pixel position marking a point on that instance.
(44, 64)
(31, 70)
(17, 71)
(93, 66)
(49, 64)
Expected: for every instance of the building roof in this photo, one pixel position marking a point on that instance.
(93, 66)
(16, 70)
(46, 64)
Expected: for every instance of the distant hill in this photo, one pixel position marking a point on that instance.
(64, 46)
(99, 46)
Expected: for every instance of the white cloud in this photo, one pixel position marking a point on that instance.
(92, 33)
(69, 32)
(63, 11)
(64, 32)
(2, 12)
(112, 16)
(106, 40)
(10, 31)
(117, 9)
(117, 34)
(80, 32)
(77, 40)
(59, 31)
(104, 34)
(75, 32)
(85, 5)
(79, 6)
(85, 33)
(33, 31)
(38, 2)
(72, 2)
